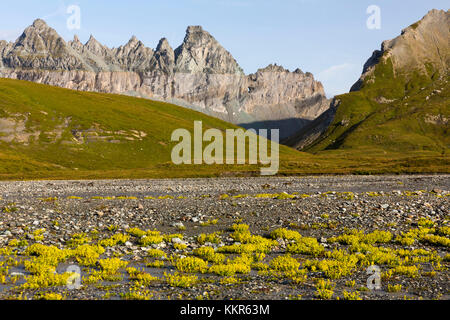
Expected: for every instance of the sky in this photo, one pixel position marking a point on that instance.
(329, 38)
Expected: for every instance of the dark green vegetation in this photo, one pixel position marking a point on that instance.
(49, 132)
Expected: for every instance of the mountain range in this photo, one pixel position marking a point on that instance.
(199, 74)
(394, 120)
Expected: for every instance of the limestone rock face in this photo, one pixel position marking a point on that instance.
(164, 58)
(298, 92)
(5, 47)
(40, 47)
(200, 74)
(134, 56)
(422, 44)
(426, 41)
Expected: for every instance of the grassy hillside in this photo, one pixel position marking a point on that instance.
(395, 112)
(49, 132)
(56, 132)
(401, 105)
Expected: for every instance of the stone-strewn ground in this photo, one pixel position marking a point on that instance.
(275, 238)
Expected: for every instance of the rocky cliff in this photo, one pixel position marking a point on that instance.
(421, 47)
(200, 74)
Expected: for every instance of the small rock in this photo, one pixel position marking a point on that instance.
(177, 240)
(7, 233)
(128, 244)
(281, 242)
(178, 225)
(17, 274)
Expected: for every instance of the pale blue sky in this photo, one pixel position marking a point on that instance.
(326, 37)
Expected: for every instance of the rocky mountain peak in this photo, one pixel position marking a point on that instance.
(435, 14)
(273, 68)
(76, 43)
(202, 53)
(134, 55)
(39, 38)
(163, 46)
(196, 36)
(40, 47)
(40, 24)
(133, 43)
(93, 43)
(194, 29)
(421, 47)
(95, 47)
(133, 40)
(164, 57)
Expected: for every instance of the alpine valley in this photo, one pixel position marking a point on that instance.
(89, 111)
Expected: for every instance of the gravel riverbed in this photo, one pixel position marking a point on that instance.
(54, 213)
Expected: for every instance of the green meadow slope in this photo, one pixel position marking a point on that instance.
(400, 107)
(412, 119)
(52, 133)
